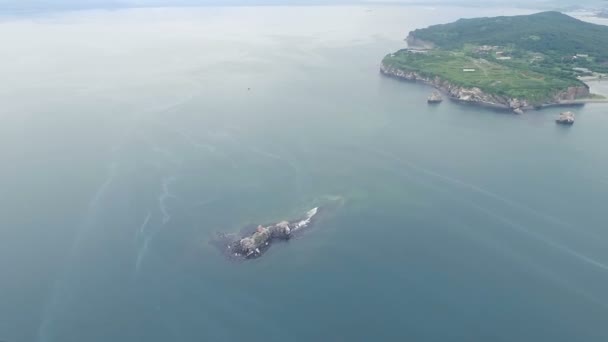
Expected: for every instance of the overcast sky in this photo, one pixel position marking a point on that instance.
(26, 5)
(63, 4)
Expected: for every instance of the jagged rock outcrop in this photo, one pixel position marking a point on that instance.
(477, 96)
(253, 245)
(565, 118)
(435, 98)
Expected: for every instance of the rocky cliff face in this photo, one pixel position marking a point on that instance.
(477, 96)
(572, 93)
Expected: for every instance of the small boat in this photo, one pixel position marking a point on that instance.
(435, 98)
(565, 118)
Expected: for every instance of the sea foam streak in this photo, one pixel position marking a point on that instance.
(309, 215)
(487, 193)
(167, 181)
(141, 235)
(61, 292)
(542, 238)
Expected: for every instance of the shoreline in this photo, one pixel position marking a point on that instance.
(441, 86)
(582, 101)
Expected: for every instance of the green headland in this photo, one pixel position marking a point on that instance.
(516, 62)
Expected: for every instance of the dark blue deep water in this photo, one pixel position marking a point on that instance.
(129, 138)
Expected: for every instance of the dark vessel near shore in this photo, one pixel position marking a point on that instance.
(253, 245)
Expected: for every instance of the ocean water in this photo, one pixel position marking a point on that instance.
(129, 138)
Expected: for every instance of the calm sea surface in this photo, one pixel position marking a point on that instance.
(129, 138)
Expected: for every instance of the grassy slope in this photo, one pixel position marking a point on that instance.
(489, 76)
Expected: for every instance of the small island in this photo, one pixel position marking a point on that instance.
(253, 244)
(515, 63)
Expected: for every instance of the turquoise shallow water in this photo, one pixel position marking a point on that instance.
(129, 138)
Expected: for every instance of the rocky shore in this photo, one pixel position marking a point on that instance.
(478, 97)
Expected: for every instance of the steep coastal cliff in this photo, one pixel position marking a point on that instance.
(475, 95)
